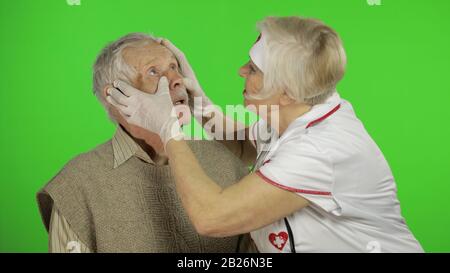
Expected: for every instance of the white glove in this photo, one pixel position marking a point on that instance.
(203, 107)
(153, 112)
(190, 80)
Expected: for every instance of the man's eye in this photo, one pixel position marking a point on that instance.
(152, 72)
(173, 67)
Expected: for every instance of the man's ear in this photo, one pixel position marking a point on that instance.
(104, 93)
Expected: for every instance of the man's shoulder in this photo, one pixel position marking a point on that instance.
(100, 157)
(65, 187)
(86, 165)
(216, 159)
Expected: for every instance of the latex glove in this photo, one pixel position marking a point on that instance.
(153, 112)
(190, 80)
(202, 105)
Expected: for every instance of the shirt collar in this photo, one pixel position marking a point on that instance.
(124, 147)
(318, 113)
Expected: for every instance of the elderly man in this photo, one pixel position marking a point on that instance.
(120, 197)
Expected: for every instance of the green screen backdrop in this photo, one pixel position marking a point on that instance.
(397, 80)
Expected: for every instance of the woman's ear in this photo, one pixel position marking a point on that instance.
(285, 99)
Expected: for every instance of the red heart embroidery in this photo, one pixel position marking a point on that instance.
(278, 240)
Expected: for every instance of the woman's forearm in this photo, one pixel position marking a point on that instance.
(199, 193)
(221, 127)
(218, 212)
(232, 134)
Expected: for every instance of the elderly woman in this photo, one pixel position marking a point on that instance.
(319, 184)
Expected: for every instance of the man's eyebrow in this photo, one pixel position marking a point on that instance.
(174, 58)
(147, 63)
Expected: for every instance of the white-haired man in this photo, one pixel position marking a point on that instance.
(120, 197)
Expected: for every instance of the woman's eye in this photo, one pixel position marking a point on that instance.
(173, 67)
(152, 72)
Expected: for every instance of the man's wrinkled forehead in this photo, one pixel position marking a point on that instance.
(141, 55)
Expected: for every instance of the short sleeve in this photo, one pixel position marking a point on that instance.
(298, 166)
(261, 135)
(252, 133)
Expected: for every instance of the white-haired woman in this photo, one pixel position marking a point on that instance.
(319, 184)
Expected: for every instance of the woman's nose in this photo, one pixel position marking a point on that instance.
(243, 71)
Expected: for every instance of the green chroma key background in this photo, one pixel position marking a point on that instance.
(397, 80)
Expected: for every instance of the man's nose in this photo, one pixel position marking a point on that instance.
(175, 81)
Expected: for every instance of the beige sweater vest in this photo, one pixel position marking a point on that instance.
(135, 207)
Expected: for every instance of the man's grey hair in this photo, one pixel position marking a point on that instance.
(110, 64)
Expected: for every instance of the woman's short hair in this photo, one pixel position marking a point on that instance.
(303, 57)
